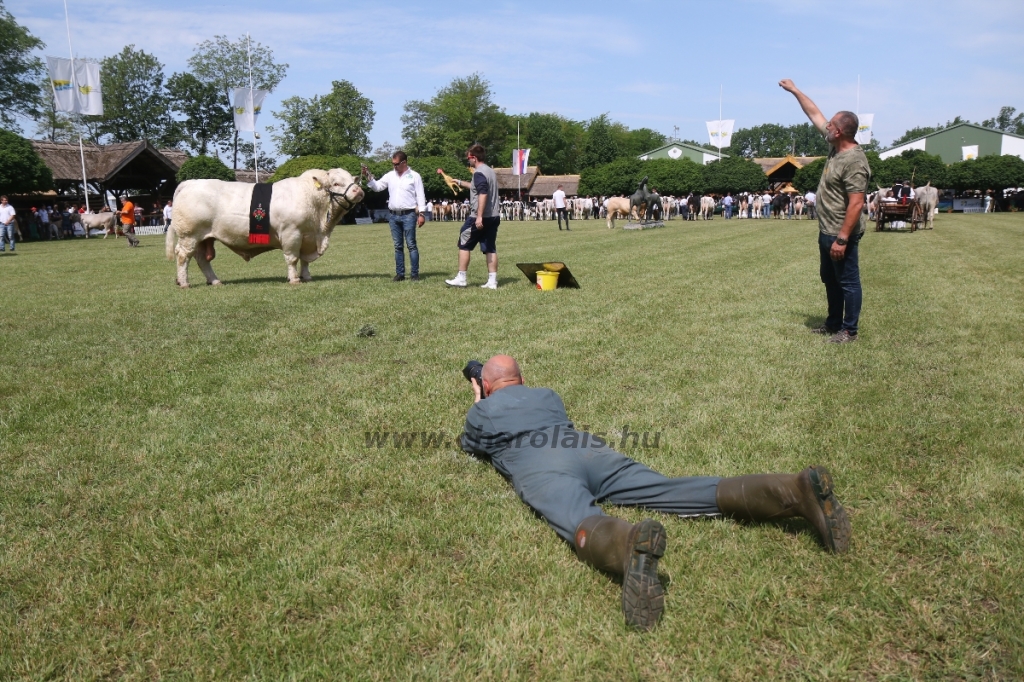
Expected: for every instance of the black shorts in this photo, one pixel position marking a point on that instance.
(486, 237)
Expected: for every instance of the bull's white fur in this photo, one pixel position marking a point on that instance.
(302, 217)
(100, 221)
(928, 200)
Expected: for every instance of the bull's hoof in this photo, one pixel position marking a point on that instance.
(305, 279)
(295, 281)
(183, 286)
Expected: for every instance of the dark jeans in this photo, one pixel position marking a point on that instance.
(842, 283)
(562, 213)
(403, 227)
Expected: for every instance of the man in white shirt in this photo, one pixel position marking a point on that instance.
(809, 199)
(168, 210)
(6, 225)
(766, 204)
(406, 204)
(559, 198)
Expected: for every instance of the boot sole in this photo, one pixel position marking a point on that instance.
(643, 597)
(837, 523)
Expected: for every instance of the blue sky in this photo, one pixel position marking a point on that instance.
(647, 64)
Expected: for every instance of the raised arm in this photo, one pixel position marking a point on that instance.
(809, 107)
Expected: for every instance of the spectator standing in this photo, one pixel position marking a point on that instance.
(766, 204)
(481, 227)
(559, 198)
(988, 201)
(809, 201)
(406, 205)
(7, 227)
(167, 216)
(840, 199)
(727, 203)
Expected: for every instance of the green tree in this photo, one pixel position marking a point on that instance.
(639, 141)
(225, 64)
(772, 140)
(620, 176)
(204, 167)
(1006, 121)
(988, 172)
(555, 142)
(20, 70)
(247, 151)
(332, 125)
(913, 164)
(734, 174)
(134, 100)
(674, 177)
(460, 114)
(600, 146)
(21, 169)
(206, 117)
(807, 178)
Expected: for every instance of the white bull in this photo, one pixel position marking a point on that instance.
(106, 221)
(303, 213)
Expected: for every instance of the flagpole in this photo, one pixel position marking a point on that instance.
(720, 91)
(252, 108)
(74, 85)
(519, 177)
(858, 95)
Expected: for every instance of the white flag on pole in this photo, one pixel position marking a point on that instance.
(864, 131)
(86, 98)
(970, 152)
(720, 132)
(62, 81)
(247, 110)
(90, 96)
(520, 161)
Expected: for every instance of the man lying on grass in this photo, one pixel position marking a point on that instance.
(562, 474)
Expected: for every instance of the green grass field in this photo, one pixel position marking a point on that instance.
(187, 491)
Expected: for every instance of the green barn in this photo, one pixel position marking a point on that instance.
(682, 150)
(963, 141)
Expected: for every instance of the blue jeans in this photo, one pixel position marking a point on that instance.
(404, 227)
(842, 283)
(727, 210)
(6, 233)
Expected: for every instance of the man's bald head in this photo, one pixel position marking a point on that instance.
(501, 371)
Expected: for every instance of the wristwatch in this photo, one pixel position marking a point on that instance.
(841, 241)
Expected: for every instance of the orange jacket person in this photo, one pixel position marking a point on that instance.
(128, 222)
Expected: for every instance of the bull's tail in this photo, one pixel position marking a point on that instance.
(170, 241)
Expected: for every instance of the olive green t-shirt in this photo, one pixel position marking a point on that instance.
(845, 173)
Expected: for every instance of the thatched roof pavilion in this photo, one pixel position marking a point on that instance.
(545, 185)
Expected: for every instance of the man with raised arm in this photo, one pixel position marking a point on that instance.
(562, 474)
(840, 205)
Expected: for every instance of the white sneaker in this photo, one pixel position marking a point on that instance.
(456, 282)
(489, 285)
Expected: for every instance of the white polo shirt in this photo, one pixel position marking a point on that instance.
(6, 214)
(404, 192)
(559, 198)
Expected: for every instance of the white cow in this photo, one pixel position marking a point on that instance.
(303, 213)
(707, 207)
(928, 199)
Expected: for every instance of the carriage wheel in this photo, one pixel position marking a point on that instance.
(879, 218)
(915, 217)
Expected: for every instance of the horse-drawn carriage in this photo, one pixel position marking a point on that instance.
(889, 212)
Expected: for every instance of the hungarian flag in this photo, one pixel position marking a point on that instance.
(520, 159)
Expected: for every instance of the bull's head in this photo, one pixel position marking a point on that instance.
(343, 193)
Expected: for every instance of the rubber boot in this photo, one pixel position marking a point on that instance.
(765, 497)
(617, 547)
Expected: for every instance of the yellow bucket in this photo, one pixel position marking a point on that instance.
(547, 281)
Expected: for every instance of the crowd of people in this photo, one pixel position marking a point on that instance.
(63, 220)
